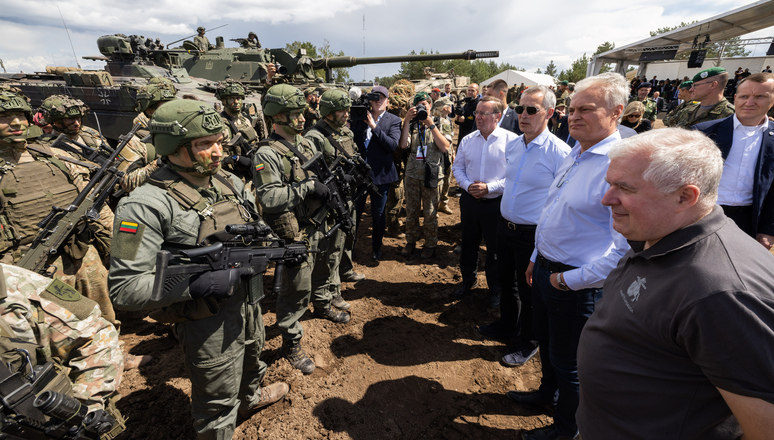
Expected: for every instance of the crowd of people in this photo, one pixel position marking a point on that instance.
(586, 209)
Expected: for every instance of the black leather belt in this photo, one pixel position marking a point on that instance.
(553, 266)
(517, 227)
(735, 210)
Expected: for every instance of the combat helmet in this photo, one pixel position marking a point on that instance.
(13, 102)
(226, 89)
(180, 121)
(58, 107)
(334, 100)
(282, 98)
(154, 93)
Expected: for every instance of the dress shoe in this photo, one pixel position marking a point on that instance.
(298, 358)
(427, 253)
(458, 249)
(377, 255)
(547, 433)
(463, 290)
(328, 313)
(352, 277)
(494, 298)
(339, 303)
(269, 395)
(533, 400)
(407, 250)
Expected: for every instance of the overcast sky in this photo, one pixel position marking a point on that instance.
(528, 34)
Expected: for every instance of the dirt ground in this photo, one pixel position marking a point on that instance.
(410, 364)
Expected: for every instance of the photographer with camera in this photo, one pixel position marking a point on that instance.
(377, 138)
(464, 112)
(423, 171)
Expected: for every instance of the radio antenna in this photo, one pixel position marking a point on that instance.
(68, 36)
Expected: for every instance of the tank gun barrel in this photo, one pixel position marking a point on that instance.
(338, 62)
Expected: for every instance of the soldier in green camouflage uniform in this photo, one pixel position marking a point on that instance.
(651, 107)
(427, 145)
(289, 197)
(232, 95)
(202, 42)
(684, 93)
(332, 137)
(33, 181)
(441, 111)
(707, 88)
(217, 314)
(401, 95)
(312, 111)
(69, 327)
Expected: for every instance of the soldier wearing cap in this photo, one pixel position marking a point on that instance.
(331, 136)
(683, 100)
(707, 88)
(651, 108)
(311, 112)
(562, 92)
(202, 42)
(217, 315)
(289, 197)
(442, 108)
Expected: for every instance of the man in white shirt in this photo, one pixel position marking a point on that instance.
(532, 162)
(575, 248)
(746, 141)
(480, 171)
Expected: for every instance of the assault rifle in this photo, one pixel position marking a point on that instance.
(61, 223)
(99, 155)
(236, 252)
(347, 179)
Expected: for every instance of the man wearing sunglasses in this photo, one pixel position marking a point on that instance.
(707, 88)
(575, 248)
(532, 163)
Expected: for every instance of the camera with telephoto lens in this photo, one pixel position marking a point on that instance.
(362, 105)
(421, 113)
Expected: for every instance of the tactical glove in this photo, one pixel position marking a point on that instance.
(219, 283)
(320, 191)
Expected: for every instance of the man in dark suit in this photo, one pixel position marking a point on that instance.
(510, 120)
(746, 140)
(377, 138)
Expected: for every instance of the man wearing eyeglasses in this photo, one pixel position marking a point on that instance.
(575, 248)
(707, 88)
(480, 171)
(532, 163)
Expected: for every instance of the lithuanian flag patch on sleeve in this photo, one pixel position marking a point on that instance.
(128, 227)
(259, 167)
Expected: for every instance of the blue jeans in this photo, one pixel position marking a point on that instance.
(558, 318)
(378, 202)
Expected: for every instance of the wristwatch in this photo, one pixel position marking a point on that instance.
(431, 127)
(560, 281)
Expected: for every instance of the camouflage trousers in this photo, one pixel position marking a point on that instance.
(308, 281)
(443, 186)
(222, 358)
(88, 276)
(394, 204)
(418, 197)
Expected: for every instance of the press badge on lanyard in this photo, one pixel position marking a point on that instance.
(421, 152)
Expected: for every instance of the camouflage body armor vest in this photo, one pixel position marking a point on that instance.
(240, 125)
(27, 193)
(287, 224)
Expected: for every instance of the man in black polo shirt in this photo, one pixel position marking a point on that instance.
(681, 340)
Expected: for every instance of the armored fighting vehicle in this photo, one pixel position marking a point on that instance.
(131, 61)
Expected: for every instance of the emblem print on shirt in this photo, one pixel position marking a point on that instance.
(633, 293)
(634, 289)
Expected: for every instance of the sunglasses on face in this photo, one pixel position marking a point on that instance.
(530, 110)
(634, 116)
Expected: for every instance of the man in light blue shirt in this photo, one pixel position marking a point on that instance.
(532, 161)
(575, 248)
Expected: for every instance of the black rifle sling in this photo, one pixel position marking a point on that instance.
(328, 132)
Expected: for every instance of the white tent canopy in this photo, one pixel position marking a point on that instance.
(516, 77)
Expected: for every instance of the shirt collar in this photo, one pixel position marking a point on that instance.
(498, 131)
(539, 139)
(602, 147)
(684, 237)
(763, 126)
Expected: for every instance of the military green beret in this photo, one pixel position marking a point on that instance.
(686, 85)
(564, 83)
(421, 96)
(708, 73)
